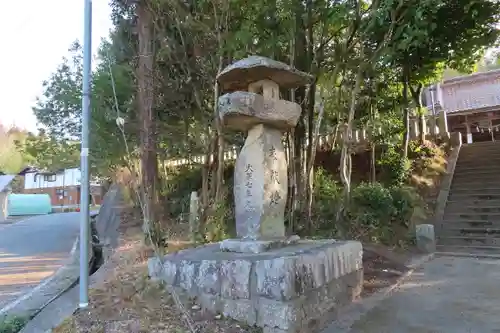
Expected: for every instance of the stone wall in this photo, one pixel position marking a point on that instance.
(292, 289)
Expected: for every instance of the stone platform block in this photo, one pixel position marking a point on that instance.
(242, 110)
(256, 246)
(290, 289)
(426, 239)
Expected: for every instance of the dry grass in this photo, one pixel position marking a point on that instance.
(128, 301)
(427, 180)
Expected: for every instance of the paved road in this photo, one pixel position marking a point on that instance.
(447, 295)
(32, 250)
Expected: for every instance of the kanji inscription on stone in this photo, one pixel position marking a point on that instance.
(248, 185)
(272, 153)
(275, 197)
(275, 177)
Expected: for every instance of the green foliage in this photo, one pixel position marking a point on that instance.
(489, 62)
(417, 150)
(423, 154)
(370, 213)
(327, 195)
(179, 185)
(11, 159)
(377, 213)
(59, 111)
(408, 204)
(12, 324)
(328, 188)
(388, 120)
(48, 153)
(454, 32)
(108, 143)
(371, 202)
(440, 34)
(59, 108)
(396, 169)
(220, 223)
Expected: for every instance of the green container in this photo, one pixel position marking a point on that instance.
(28, 204)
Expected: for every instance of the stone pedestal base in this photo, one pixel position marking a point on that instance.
(292, 289)
(256, 246)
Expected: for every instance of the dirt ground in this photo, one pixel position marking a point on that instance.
(127, 301)
(383, 266)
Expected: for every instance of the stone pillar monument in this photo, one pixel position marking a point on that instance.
(263, 278)
(469, 131)
(442, 121)
(432, 125)
(414, 128)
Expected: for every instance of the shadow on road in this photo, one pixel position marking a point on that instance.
(19, 273)
(31, 250)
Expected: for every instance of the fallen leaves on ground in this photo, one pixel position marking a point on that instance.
(383, 267)
(128, 301)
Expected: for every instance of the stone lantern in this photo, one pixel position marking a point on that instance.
(263, 278)
(260, 176)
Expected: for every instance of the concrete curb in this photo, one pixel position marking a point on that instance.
(445, 187)
(14, 220)
(349, 315)
(49, 289)
(467, 255)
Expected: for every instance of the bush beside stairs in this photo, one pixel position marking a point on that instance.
(471, 221)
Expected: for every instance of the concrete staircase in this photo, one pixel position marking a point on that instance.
(471, 221)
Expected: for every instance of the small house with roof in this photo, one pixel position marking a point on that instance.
(63, 186)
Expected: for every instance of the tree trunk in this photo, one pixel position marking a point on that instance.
(373, 160)
(345, 172)
(219, 181)
(292, 184)
(417, 98)
(311, 153)
(345, 157)
(312, 157)
(219, 174)
(406, 115)
(300, 62)
(311, 98)
(373, 157)
(145, 97)
(289, 198)
(311, 101)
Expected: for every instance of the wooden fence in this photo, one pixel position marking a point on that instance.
(433, 125)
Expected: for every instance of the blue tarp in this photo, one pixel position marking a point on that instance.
(28, 204)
